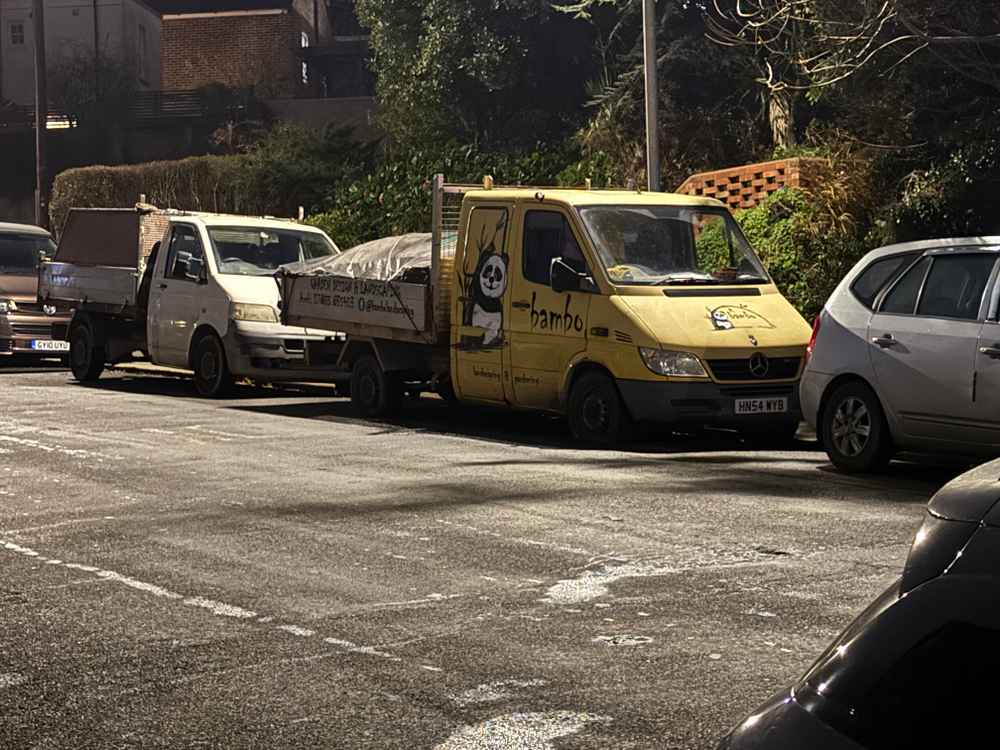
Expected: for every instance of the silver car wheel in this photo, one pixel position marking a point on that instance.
(852, 427)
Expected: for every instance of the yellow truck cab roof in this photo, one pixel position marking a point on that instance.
(592, 197)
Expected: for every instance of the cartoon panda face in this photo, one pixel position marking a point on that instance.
(721, 320)
(493, 277)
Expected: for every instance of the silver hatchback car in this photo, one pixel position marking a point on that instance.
(905, 356)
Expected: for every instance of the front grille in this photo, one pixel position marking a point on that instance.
(28, 329)
(778, 368)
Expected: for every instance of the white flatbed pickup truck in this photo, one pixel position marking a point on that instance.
(189, 290)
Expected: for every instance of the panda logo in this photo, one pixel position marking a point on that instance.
(489, 282)
(721, 321)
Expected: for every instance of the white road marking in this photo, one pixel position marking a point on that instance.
(11, 679)
(38, 445)
(133, 583)
(354, 648)
(223, 435)
(594, 583)
(493, 692)
(219, 609)
(296, 630)
(524, 731)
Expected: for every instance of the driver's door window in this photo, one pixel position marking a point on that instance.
(547, 235)
(185, 247)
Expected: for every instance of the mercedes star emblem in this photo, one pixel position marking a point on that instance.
(49, 309)
(759, 365)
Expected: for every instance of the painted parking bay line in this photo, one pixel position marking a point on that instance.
(213, 607)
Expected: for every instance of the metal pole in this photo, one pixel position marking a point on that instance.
(97, 56)
(41, 114)
(649, 63)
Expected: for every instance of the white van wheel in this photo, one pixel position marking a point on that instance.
(212, 378)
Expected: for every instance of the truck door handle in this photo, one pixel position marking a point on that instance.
(885, 340)
(990, 351)
(521, 305)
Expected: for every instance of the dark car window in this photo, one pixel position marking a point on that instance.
(876, 277)
(955, 286)
(902, 298)
(936, 695)
(21, 253)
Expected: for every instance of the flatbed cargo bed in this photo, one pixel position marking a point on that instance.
(382, 297)
(101, 258)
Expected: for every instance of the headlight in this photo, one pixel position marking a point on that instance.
(7, 306)
(674, 364)
(254, 313)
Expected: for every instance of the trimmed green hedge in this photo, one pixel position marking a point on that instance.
(200, 183)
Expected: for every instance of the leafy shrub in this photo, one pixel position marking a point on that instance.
(806, 265)
(955, 198)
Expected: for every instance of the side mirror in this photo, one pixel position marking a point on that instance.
(196, 270)
(563, 278)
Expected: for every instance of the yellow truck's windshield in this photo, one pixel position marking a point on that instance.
(652, 245)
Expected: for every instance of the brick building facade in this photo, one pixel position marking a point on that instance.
(243, 43)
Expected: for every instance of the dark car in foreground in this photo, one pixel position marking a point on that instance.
(919, 667)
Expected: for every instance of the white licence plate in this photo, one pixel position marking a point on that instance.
(761, 405)
(50, 346)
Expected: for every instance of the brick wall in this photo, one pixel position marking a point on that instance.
(240, 51)
(746, 186)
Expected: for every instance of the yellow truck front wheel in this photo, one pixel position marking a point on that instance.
(596, 412)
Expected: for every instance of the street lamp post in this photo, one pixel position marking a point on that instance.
(649, 64)
(41, 113)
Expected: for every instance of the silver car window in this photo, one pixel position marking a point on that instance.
(955, 286)
(872, 280)
(902, 298)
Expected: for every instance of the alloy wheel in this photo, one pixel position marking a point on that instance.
(852, 427)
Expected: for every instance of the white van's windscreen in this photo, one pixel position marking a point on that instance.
(663, 245)
(20, 254)
(256, 251)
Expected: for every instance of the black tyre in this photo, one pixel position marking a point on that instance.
(212, 378)
(446, 390)
(86, 358)
(596, 412)
(374, 392)
(854, 430)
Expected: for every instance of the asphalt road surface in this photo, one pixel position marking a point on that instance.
(270, 572)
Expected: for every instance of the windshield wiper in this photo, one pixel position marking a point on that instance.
(684, 278)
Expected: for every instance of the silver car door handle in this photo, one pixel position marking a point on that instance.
(990, 351)
(885, 340)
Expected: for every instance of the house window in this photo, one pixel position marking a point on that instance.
(304, 43)
(141, 53)
(17, 33)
